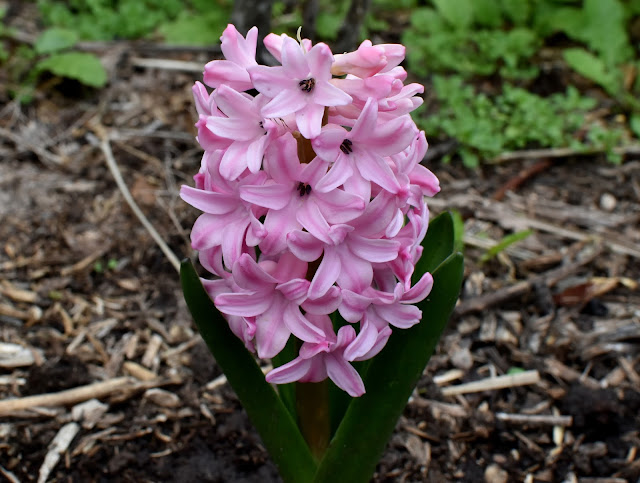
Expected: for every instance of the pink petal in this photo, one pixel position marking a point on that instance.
(340, 172)
(353, 305)
(243, 304)
(294, 62)
(272, 196)
(362, 343)
(251, 276)
(356, 274)
(271, 334)
(236, 48)
(290, 268)
(290, 372)
(310, 217)
(373, 168)
(309, 120)
(319, 60)
(271, 81)
(338, 206)
(327, 144)
(381, 341)
(234, 160)
(225, 72)
(286, 102)
(366, 123)
(327, 273)
(234, 104)
(327, 304)
(278, 224)
(232, 128)
(344, 375)
(373, 250)
(424, 178)
(326, 94)
(304, 245)
(295, 291)
(300, 326)
(209, 202)
(400, 315)
(420, 290)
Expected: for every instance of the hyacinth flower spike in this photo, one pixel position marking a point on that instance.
(315, 229)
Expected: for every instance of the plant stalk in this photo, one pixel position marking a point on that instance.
(312, 403)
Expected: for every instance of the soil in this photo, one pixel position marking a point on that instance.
(86, 290)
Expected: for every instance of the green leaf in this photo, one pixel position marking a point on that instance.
(459, 13)
(437, 245)
(590, 66)
(634, 124)
(268, 414)
(458, 231)
(504, 243)
(370, 419)
(54, 40)
(196, 29)
(80, 66)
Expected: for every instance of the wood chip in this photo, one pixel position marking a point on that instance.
(64, 398)
(535, 419)
(494, 383)
(14, 355)
(162, 398)
(150, 358)
(139, 372)
(59, 445)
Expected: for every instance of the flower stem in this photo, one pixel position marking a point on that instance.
(312, 401)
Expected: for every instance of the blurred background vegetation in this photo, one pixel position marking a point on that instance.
(500, 75)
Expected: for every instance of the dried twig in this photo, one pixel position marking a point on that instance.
(68, 397)
(535, 419)
(167, 64)
(632, 149)
(493, 383)
(45, 156)
(105, 146)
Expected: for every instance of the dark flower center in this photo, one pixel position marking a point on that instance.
(307, 85)
(304, 189)
(345, 147)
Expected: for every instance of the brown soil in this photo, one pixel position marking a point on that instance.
(85, 289)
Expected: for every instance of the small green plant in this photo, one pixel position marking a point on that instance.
(486, 126)
(470, 38)
(54, 44)
(503, 244)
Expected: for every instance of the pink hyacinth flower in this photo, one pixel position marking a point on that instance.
(319, 360)
(240, 54)
(360, 152)
(272, 293)
(301, 86)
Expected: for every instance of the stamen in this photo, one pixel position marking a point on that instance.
(345, 147)
(304, 189)
(307, 85)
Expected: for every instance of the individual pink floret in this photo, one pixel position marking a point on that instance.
(240, 54)
(318, 360)
(301, 86)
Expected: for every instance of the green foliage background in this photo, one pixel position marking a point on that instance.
(499, 74)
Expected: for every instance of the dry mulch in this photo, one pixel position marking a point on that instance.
(93, 322)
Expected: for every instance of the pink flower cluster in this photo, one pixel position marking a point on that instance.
(313, 200)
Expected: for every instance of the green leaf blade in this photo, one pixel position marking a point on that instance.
(268, 414)
(438, 244)
(80, 66)
(54, 40)
(371, 418)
